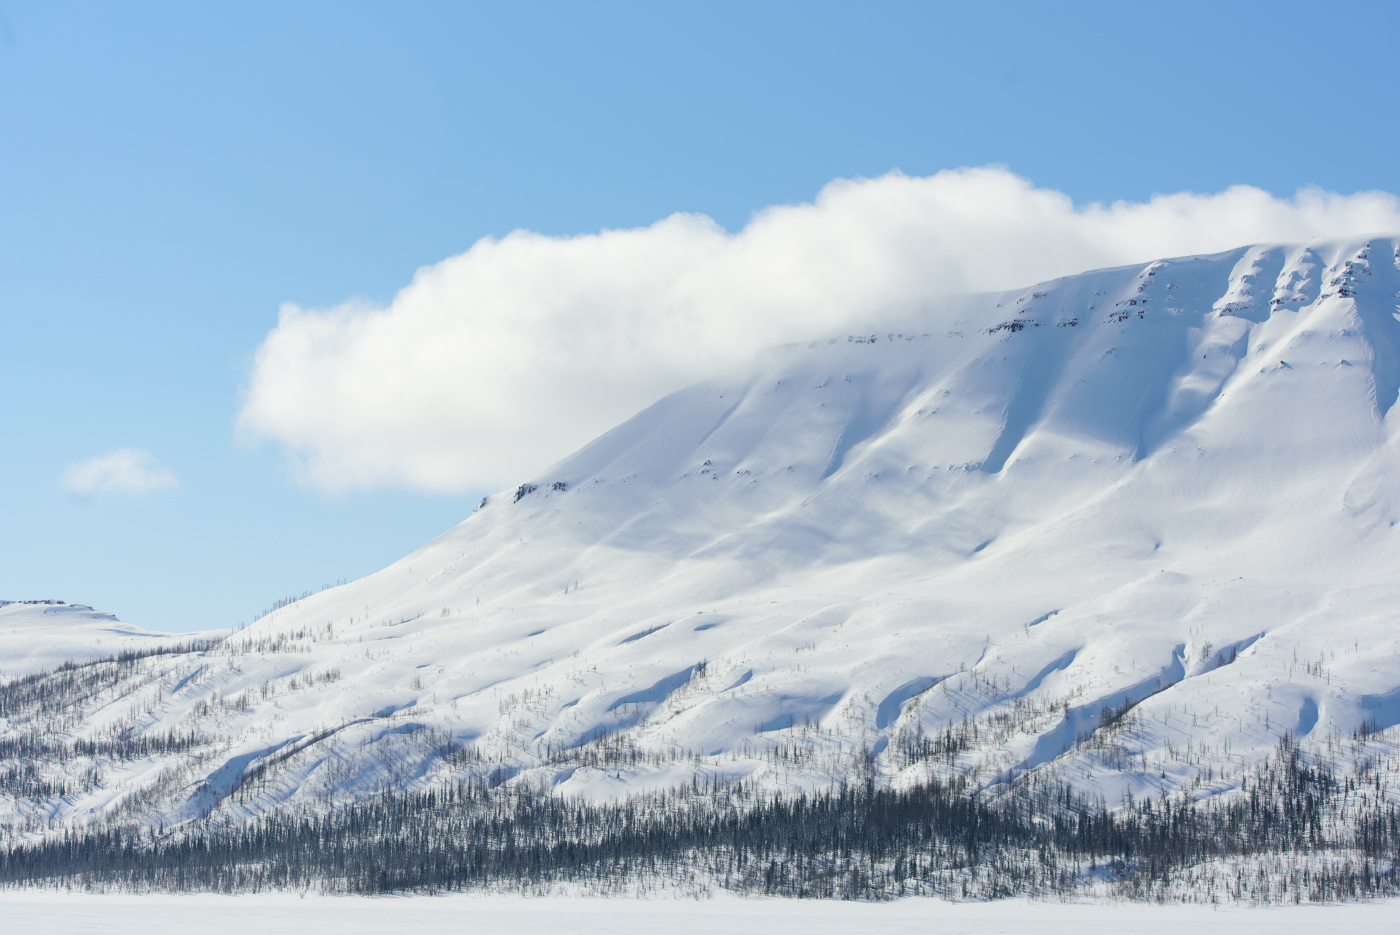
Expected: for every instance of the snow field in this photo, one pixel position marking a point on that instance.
(78, 914)
(38, 635)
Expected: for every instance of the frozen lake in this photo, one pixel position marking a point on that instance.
(313, 915)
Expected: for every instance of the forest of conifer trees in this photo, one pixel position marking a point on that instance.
(1298, 832)
(1312, 822)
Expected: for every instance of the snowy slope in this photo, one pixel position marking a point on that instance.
(964, 540)
(43, 634)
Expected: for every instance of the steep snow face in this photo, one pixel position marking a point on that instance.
(38, 635)
(1126, 527)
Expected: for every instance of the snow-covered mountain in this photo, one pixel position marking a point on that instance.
(39, 635)
(1126, 528)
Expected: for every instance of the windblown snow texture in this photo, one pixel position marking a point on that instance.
(978, 538)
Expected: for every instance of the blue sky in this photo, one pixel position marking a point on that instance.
(170, 174)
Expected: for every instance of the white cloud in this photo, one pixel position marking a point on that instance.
(490, 365)
(128, 471)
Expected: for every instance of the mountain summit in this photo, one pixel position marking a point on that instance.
(1126, 529)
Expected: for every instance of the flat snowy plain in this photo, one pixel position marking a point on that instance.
(269, 914)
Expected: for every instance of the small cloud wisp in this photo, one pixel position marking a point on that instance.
(125, 471)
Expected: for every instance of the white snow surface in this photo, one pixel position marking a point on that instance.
(73, 913)
(39, 635)
(1175, 484)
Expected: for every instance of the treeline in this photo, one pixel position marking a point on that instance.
(1299, 831)
(28, 779)
(44, 694)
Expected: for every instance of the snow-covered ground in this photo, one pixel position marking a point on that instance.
(70, 914)
(1003, 520)
(36, 635)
